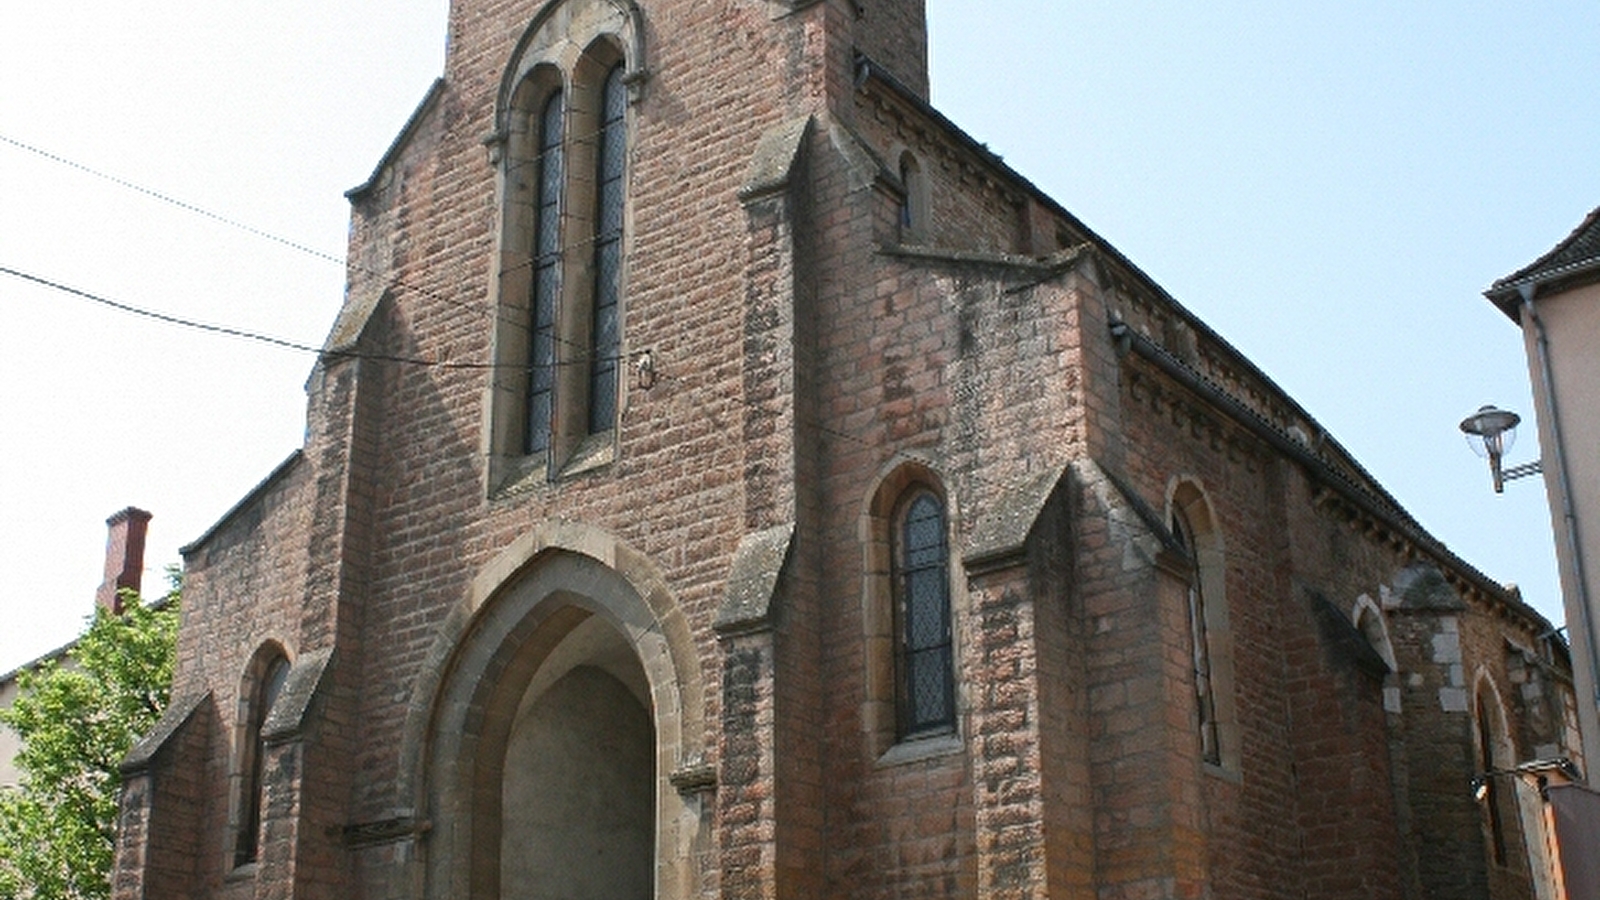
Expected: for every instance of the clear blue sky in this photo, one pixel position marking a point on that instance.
(1330, 186)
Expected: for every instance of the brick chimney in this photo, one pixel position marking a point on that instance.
(124, 556)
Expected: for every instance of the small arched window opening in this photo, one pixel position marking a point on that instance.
(1205, 698)
(925, 662)
(910, 609)
(913, 211)
(1210, 633)
(266, 689)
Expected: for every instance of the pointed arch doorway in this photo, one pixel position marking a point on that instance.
(558, 720)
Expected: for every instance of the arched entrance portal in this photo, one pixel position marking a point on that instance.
(577, 804)
(565, 694)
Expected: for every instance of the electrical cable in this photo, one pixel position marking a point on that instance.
(514, 168)
(398, 282)
(169, 199)
(272, 340)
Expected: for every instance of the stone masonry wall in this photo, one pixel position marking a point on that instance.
(909, 374)
(806, 360)
(243, 588)
(1354, 751)
(970, 206)
(1167, 436)
(676, 491)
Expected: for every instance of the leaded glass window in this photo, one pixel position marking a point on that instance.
(610, 159)
(907, 172)
(1492, 792)
(248, 846)
(1205, 694)
(922, 607)
(545, 285)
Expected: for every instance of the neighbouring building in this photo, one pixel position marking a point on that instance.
(725, 478)
(1555, 300)
(124, 570)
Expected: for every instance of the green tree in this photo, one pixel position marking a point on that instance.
(77, 723)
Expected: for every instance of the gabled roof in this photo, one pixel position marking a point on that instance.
(1572, 263)
(245, 502)
(435, 91)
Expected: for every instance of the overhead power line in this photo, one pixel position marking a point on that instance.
(169, 199)
(246, 334)
(500, 315)
(158, 316)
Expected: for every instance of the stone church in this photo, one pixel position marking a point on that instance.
(725, 478)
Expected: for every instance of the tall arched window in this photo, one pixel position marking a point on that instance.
(1210, 632)
(925, 663)
(545, 285)
(604, 336)
(1499, 794)
(555, 394)
(1200, 644)
(909, 617)
(268, 685)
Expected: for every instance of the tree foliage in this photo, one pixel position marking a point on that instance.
(77, 722)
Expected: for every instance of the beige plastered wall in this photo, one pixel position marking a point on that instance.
(9, 743)
(1572, 326)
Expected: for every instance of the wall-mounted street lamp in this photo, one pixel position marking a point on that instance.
(1491, 432)
(1568, 839)
(1538, 772)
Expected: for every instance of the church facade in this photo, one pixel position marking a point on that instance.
(725, 478)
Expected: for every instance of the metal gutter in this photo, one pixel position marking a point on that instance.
(1507, 296)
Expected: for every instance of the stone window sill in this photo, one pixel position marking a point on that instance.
(596, 452)
(525, 474)
(918, 749)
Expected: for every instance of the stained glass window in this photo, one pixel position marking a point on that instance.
(1205, 694)
(605, 338)
(926, 663)
(268, 688)
(546, 282)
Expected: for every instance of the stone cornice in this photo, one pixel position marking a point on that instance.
(1339, 487)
